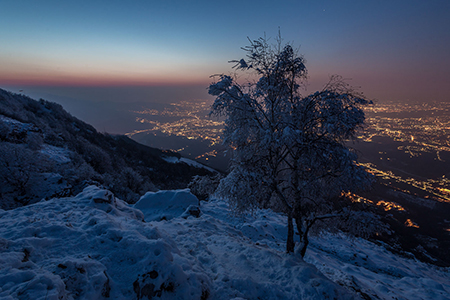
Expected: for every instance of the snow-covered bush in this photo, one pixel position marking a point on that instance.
(19, 169)
(204, 186)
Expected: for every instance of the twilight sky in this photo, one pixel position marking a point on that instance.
(393, 50)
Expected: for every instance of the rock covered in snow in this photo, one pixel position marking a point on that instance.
(165, 205)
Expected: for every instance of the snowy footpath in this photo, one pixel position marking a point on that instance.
(166, 246)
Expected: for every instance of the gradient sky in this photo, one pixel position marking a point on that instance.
(393, 50)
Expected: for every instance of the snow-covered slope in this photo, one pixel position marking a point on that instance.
(374, 272)
(95, 246)
(190, 162)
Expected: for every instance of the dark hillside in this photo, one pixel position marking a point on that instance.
(46, 152)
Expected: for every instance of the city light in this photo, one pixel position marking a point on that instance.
(189, 119)
(416, 128)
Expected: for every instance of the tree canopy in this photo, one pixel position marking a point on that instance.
(289, 150)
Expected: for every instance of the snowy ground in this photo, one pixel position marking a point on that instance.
(95, 246)
(369, 270)
(374, 272)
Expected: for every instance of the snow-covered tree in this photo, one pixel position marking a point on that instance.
(289, 150)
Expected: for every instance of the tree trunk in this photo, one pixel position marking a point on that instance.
(290, 245)
(290, 238)
(304, 243)
(303, 232)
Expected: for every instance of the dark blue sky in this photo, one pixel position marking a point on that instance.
(393, 50)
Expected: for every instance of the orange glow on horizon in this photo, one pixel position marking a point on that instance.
(100, 81)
